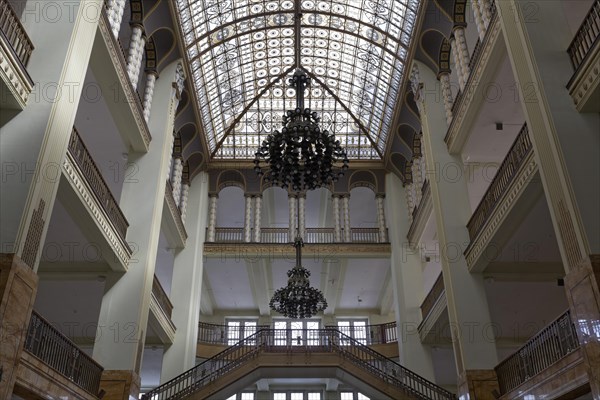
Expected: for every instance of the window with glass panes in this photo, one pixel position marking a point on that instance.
(296, 332)
(242, 396)
(293, 395)
(355, 328)
(353, 396)
(239, 329)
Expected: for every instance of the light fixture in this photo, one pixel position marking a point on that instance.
(298, 299)
(301, 156)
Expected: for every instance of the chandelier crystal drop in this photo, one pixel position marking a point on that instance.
(298, 299)
(301, 156)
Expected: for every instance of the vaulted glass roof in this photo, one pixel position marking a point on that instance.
(242, 53)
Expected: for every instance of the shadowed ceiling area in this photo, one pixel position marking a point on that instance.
(241, 54)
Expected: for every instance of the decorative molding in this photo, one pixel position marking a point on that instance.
(118, 58)
(322, 252)
(585, 81)
(161, 323)
(14, 74)
(457, 135)
(34, 235)
(77, 181)
(477, 247)
(178, 235)
(427, 327)
(423, 211)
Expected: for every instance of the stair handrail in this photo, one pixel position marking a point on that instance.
(327, 340)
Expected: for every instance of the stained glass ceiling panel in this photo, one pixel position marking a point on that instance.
(242, 53)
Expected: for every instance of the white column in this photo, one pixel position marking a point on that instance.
(457, 62)
(135, 54)
(381, 218)
(186, 287)
(486, 12)
(115, 11)
(477, 13)
(212, 217)
(346, 214)
(247, 218)
(183, 201)
(302, 214)
(446, 95)
(416, 169)
(337, 229)
(257, 217)
(148, 94)
(463, 51)
(292, 208)
(176, 178)
(407, 284)
(410, 200)
(125, 306)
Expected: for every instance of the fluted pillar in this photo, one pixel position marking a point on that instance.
(477, 13)
(457, 63)
(463, 51)
(381, 218)
(248, 218)
(176, 178)
(115, 9)
(183, 201)
(446, 95)
(212, 217)
(337, 229)
(135, 54)
(292, 226)
(149, 93)
(257, 217)
(346, 214)
(302, 215)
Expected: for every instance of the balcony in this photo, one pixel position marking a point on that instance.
(109, 66)
(549, 357)
(584, 51)
(92, 204)
(433, 311)
(312, 235)
(172, 223)
(420, 215)
(161, 310)
(51, 348)
(15, 50)
(508, 194)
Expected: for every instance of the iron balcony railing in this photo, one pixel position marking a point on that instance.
(587, 36)
(370, 334)
(94, 179)
(310, 341)
(281, 235)
(436, 292)
(56, 350)
(15, 34)
(161, 297)
(504, 177)
(547, 347)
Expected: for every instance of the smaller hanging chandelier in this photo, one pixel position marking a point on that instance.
(301, 156)
(298, 299)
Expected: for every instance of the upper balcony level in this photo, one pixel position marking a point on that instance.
(15, 50)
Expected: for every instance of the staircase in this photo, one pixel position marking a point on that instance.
(317, 348)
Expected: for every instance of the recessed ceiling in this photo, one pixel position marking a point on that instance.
(241, 54)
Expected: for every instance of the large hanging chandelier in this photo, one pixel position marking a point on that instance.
(301, 156)
(298, 299)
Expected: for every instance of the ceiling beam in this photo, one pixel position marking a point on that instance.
(207, 301)
(332, 282)
(258, 275)
(384, 303)
(325, 209)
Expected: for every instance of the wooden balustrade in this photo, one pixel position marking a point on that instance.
(14, 33)
(587, 36)
(56, 350)
(161, 297)
(509, 168)
(94, 179)
(319, 235)
(547, 347)
(364, 235)
(437, 291)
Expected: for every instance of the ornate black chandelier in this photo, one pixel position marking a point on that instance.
(301, 156)
(298, 299)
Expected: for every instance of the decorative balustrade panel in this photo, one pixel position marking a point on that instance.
(15, 34)
(586, 37)
(436, 292)
(547, 347)
(475, 55)
(502, 180)
(319, 235)
(56, 350)
(229, 235)
(161, 297)
(364, 235)
(303, 341)
(94, 179)
(382, 333)
(274, 235)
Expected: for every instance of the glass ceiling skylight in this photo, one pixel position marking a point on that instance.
(242, 53)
